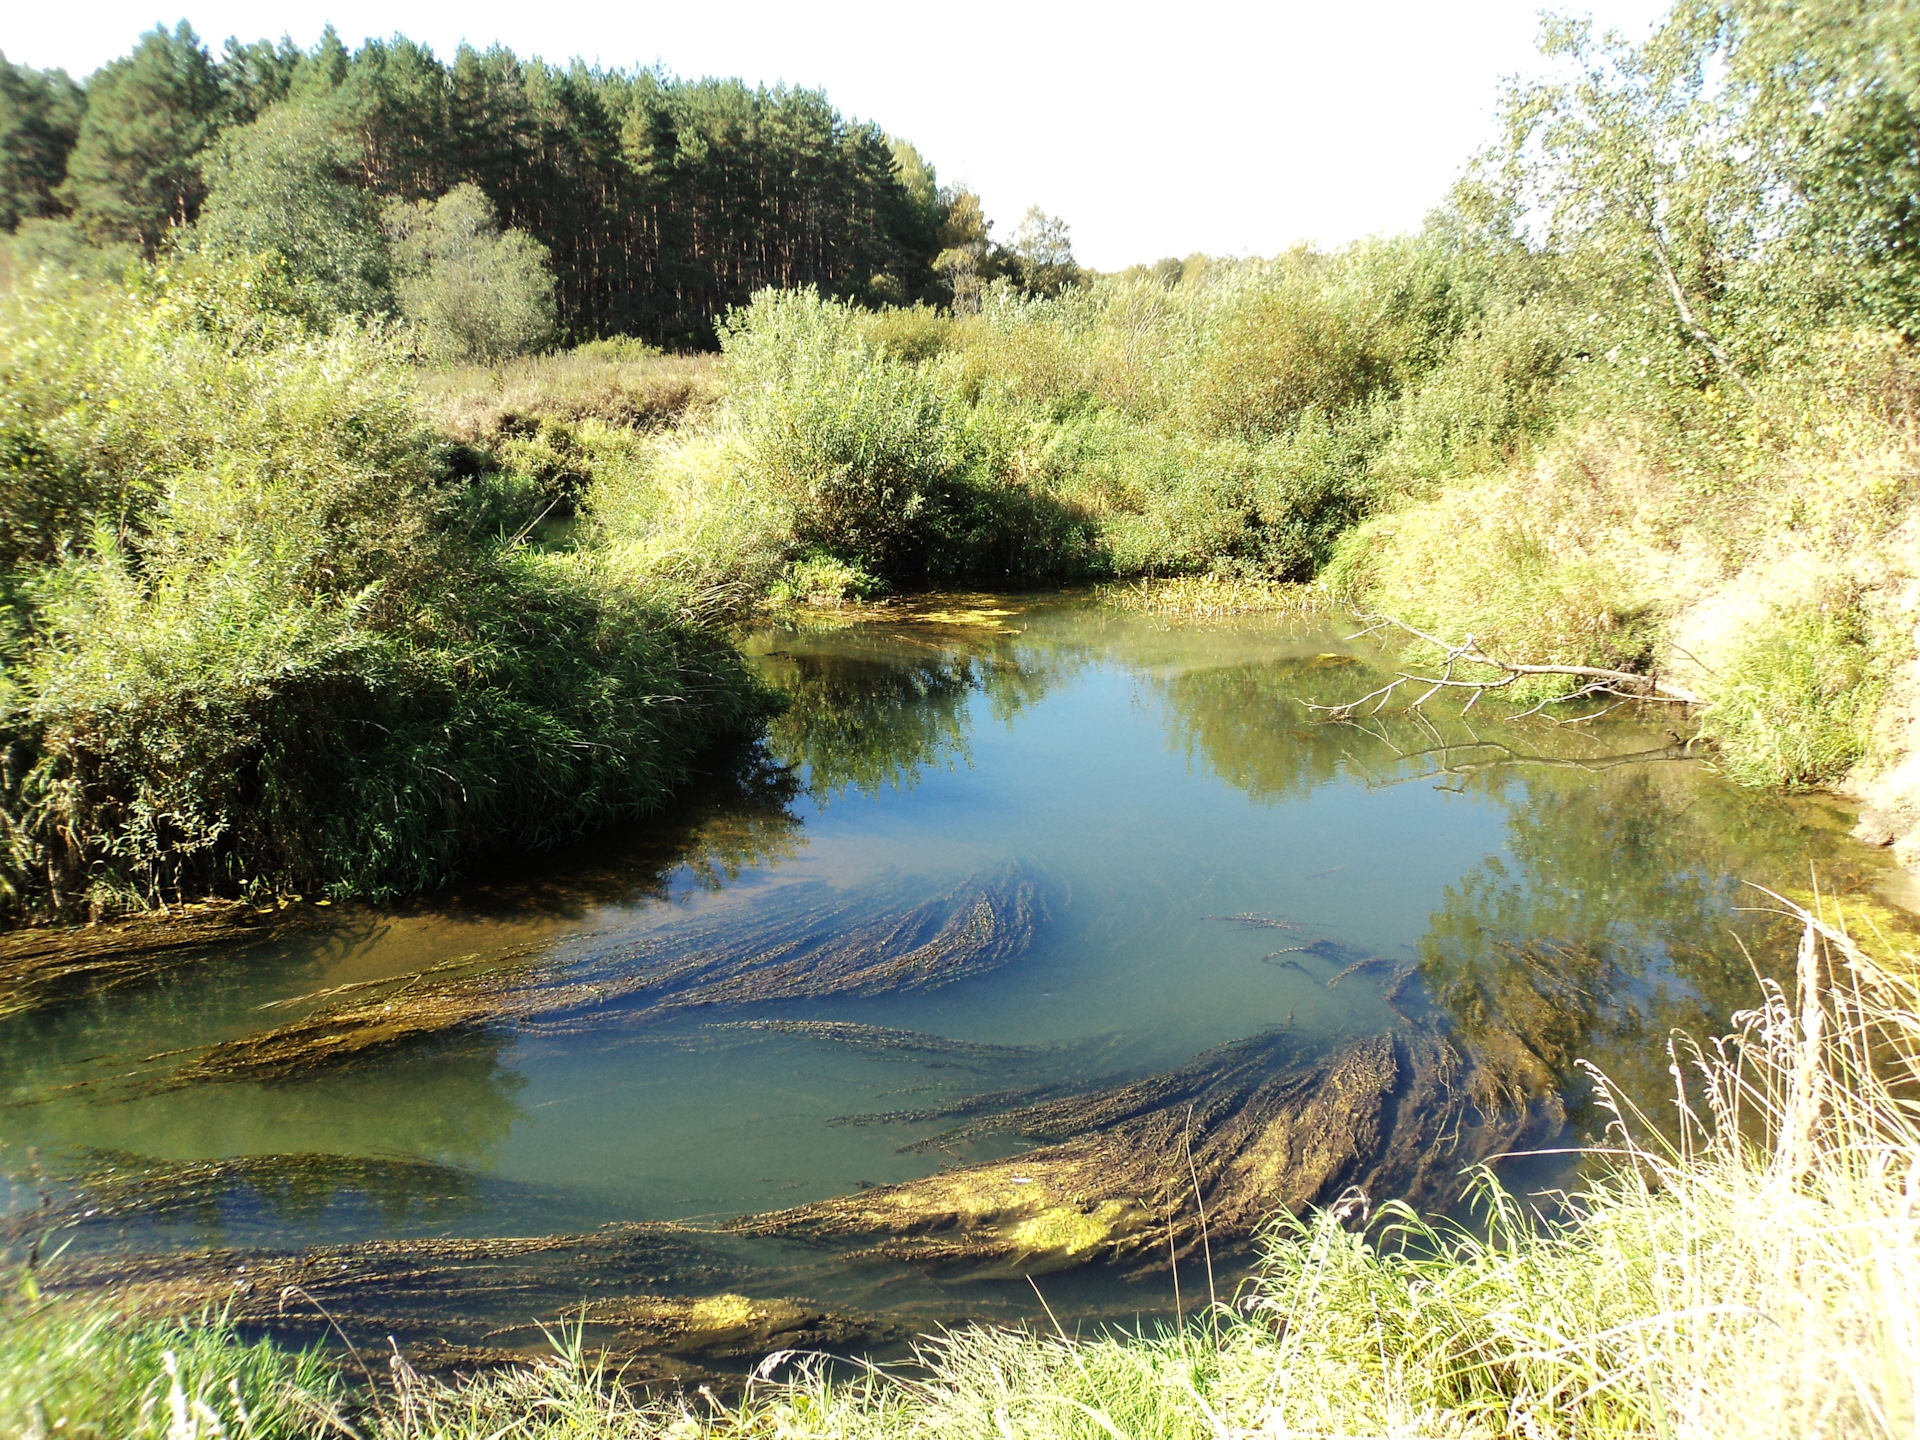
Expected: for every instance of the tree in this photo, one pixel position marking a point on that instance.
(255, 76)
(135, 168)
(39, 119)
(1746, 177)
(1826, 96)
(284, 185)
(1043, 253)
(472, 291)
(967, 258)
(661, 203)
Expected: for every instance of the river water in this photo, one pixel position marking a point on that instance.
(1199, 857)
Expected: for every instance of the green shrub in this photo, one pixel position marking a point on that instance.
(912, 333)
(265, 631)
(857, 444)
(687, 523)
(1474, 562)
(471, 290)
(1289, 342)
(1492, 391)
(1797, 703)
(822, 578)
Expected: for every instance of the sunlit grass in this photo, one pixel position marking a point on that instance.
(1211, 597)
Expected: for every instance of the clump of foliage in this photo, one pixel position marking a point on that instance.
(39, 121)
(263, 630)
(471, 292)
(821, 579)
(283, 186)
(1113, 429)
(858, 447)
(1797, 704)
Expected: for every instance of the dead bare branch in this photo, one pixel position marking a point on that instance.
(1598, 679)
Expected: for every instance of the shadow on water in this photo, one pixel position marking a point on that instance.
(874, 707)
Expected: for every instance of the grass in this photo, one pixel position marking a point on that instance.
(1797, 704)
(1758, 1276)
(1212, 597)
(620, 384)
(88, 1376)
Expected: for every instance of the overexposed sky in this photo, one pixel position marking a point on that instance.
(1153, 129)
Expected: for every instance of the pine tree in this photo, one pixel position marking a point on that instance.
(135, 168)
(39, 119)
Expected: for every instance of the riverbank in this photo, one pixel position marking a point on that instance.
(1759, 1278)
(269, 631)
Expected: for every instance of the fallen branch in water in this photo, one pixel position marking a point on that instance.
(1599, 680)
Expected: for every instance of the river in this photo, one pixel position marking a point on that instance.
(1011, 876)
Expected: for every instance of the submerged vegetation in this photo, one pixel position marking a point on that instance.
(1639, 396)
(322, 574)
(1755, 1275)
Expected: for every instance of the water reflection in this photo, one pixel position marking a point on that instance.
(1623, 909)
(873, 708)
(736, 818)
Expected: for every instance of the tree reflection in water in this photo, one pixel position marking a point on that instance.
(871, 711)
(1624, 905)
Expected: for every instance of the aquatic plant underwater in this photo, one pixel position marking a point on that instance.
(1757, 1275)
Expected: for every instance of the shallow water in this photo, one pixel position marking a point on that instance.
(1155, 780)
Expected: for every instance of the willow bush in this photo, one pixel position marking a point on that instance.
(264, 630)
(1042, 438)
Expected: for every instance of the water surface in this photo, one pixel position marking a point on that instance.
(1562, 892)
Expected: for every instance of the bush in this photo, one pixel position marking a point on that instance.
(471, 291)
(1287, 343)
(1474, 411)
(1477, 561)
(821, 579)
(856, 444)
(266, 633)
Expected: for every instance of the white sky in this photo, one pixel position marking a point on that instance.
(1153, 129)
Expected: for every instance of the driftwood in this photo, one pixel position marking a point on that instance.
(1595, 679)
